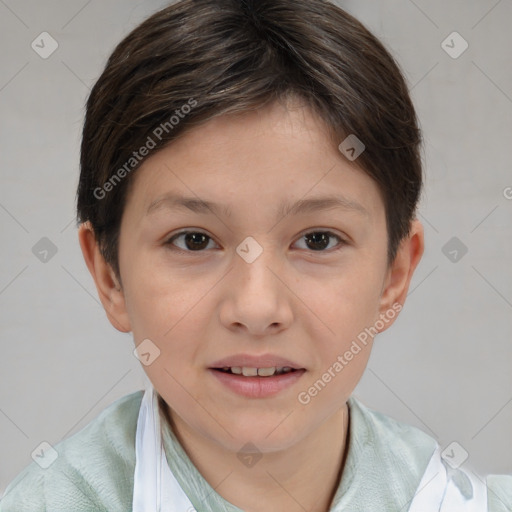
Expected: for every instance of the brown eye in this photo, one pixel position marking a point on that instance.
(320, 240)
(193, 241)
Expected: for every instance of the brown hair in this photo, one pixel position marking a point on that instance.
(198, 59)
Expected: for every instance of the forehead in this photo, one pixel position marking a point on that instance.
(264, 156)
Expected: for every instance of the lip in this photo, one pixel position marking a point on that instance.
(257, 387)
(252, 361)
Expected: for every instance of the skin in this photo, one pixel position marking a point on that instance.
(293, 301)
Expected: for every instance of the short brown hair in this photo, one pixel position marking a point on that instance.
(231, 56)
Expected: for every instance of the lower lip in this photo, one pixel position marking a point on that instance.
(258, 387)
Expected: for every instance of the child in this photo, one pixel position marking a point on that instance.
(250, 173)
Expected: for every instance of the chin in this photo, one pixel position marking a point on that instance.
(268, 434)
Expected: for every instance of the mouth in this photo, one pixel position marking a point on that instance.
(256, 375)
(252, 384)
(247, 371)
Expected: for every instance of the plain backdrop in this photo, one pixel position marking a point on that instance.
(446, 364)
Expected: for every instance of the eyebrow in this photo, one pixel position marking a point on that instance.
(172, 201)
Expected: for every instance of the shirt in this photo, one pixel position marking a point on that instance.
(94, 470)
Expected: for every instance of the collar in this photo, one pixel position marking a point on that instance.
(376, 445)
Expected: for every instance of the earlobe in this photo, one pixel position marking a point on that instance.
(402, 269)
(109, 289)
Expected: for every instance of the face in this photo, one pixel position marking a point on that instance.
(284, 267)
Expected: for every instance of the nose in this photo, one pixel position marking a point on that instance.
(256, 298)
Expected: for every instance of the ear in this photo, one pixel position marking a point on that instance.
(400, 273)
(109, 290)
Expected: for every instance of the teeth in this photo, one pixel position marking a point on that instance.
(260, 372)
(266, 372)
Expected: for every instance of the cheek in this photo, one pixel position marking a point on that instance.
(342, 358)
(157, 300)
(348, 305)
(170, 309)
(346, 301)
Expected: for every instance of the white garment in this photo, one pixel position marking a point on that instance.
(157, 490)
(444, 490)
(151, 467)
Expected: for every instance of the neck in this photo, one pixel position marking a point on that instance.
(302, 477)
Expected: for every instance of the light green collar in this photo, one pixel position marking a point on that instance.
(384, 465)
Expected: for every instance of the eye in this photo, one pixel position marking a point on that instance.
(194, 241)
(318, 241)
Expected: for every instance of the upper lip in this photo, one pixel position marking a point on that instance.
(251, 361)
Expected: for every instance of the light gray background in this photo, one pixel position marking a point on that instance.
(445, 366)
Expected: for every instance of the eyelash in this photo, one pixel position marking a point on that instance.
(169, 242)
